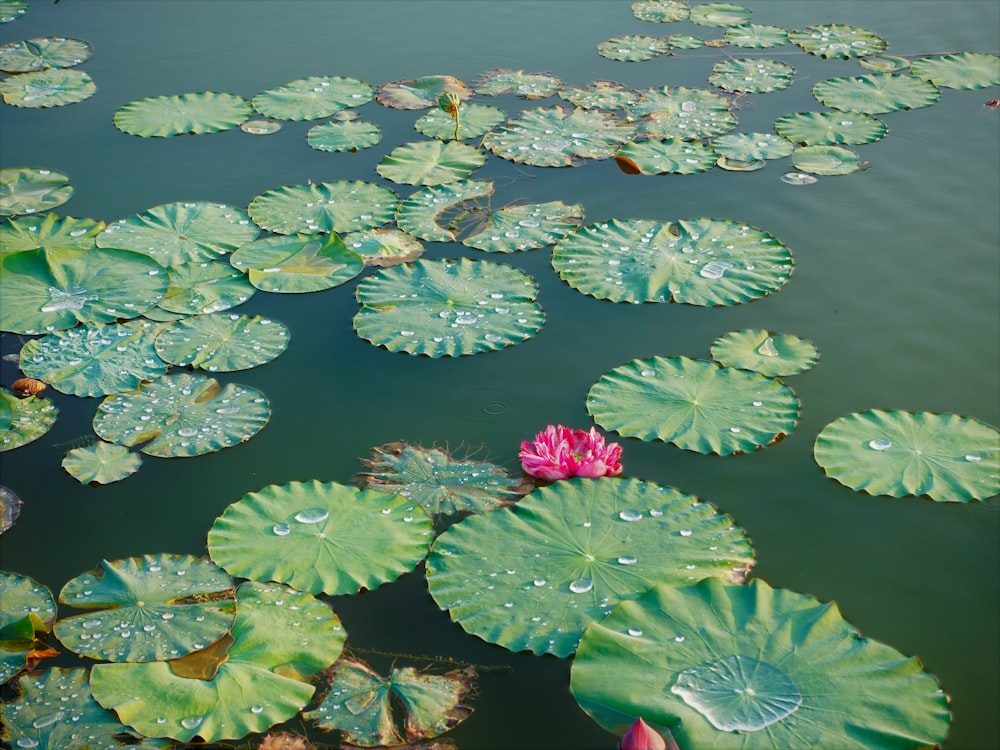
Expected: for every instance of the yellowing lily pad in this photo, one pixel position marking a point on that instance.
(41, 53)
(384, 247)
(54, 87)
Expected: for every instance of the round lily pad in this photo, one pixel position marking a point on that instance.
(260, 127)
(685, 113)
(633, 48)
(751, 76)
(755, 36)
(693, 404)
(826, 160)
(343, 136)
(798, 178)
(312, 98)
(553, 137)
(524, 85)
(885, 63)
(222, 343)
(254, 678)
(725, 667)
(11, 10)
(828, 128)
(26, 190)
(719, 14)
(46, 290)
(750, 146)
(94, 360)
(430, 162)
(26, 419)
(875, 93)
(47, 88)
(683, 41)
(200, 288)
(601, 95)
(837, 40)
(384, 247)
(26, 616)
(965, 70)
(661, 11)
(694, 261)
(177, 233)
(421, 213)
(526, 227)
(342, 206)
(182, 415)
(533, 576)
(101, 463)
(320, 537)
(897, 453)
(474, 120)
(49, 231)
(667, 156)
(163, 116)
(448, 308)
(768, 353)
(147, 608)
(298, 263)
(43, 52)
(421, 93)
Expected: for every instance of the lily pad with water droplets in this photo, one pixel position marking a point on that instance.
(200, 288)
(343, 136)
(421, 213)
(47, 88)
(749, 146)
(755, 36)
(837, 40)
(430, 162)
(320, 537)
(48, 230)
(27, 419)
(312, 98)
(727, 667)
(298, 263)
(94, 360)
(898, 453)
(255, 678)
(342, 206)
(42, 53)
(182, 415)
(768, 353)
(196, 113)
(384, 247)
(26, 615)
(533, 576)
(526, 227)
(876, 93)
(443, 484)
(667, 156)
(474, 120)
(11, 10)
(693, 261)
(147, 608)
(661, 11)
(524, 85)
(222, 343)
(965, 70)
(601, 95)
(101, 463)
(448, 308)
(689, 114)
(694, 404)
(751, 75)
(633, 48)
(421, 93)
(826, 160)
(27, 190)
(829, 128)
(177, 233)
(719, 14)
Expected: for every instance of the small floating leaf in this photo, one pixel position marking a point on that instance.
(222, 343)
(101, 463)
(828, 128)
(29, 419)
(49, 231)
(343, 136)
(661, 11)
(525, 85)
(420, 213)
(633, 48)
(384, 247)
(719, 14)
(755, 36)
(837, 40)
(43, 52)
(421, 93)
(770, 354)
(965, 70)
(260, 127)
(298, 263)
(825, 160)
(27, 190)
(474, 120)
(47, 88)
(885, 63)
(26, 616)
(526, 227)
(430, 162)
(667, 156)
(312, 98)
(876, 93)
(752, 75)
(689, 114)
(342, 206)
(163, 116)
(206, 287)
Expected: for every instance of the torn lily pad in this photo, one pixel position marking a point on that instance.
(421, 93)
(826, 160)
(667, 156)
(534, 575)
(945, 457)
(421, 213)
(837, 40)
(342, 206)
(101, 463)
(196, 113)
(685, 113)
(751, 75)
(312, 98)
(351, 135)
(964, 70)
(26, 616)
(876, 93)
(661, 11)
(222, 343)
(49, 231)
(694, 404)
(27, 190)
(693, 261)
(320, 537)
(771, 354)
(755, 36)
(829, 128)
(41, 53)
(601, 95)
(633, 48)
(430, 163)
(727, 667)
(47, 88)
(299, 263)
(448, 308)
(526, 227)
(475, 120)
(26, 419)
(524, 85)
(200, 288)
(384, 247)
(182, 415)
(719, 14)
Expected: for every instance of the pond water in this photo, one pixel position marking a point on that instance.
(896, 282)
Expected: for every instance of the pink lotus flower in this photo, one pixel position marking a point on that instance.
(560, 453)
(641, 736)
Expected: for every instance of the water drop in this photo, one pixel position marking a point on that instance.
(44, 721)
(539, 581)
(256, 709)
(686, 532)
(149, 628)
(648, 373)
(581, 585)
(679, 638)
(91, 624)
(758, 403)
(714, 269)
(187, 432)
(880, 444)
(27, 742)
(734, 429)
(635, 632)
(281, 529)
(630, 514)
(627, 560)
(973, 457)
(312, 515)
(191, 722)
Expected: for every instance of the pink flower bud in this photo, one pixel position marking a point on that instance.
(640, 736)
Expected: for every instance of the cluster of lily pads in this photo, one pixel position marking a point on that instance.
(630, 578)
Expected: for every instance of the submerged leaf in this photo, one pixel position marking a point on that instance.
(750, 146)
(601, 95)
(164, 116)
(10, 504)
(826, 160)
(47, 88)
(27, 190)
(101, 463)
(719, 14)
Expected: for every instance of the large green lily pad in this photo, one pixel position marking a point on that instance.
(837, 40)
(723, 667)
(686, 113)
(751, 75)
(524, 85)
(828, 128)
(601, 95)
(200, 288)
(255, 678)
(744, 147)
(826, 160)
(164, 116)
(448, 308)
(964, 70)
(768, 353)
(50, 231)
(693, 404)
(222, 343)
(182, 415)
(661, 11)
(177, 233)
(94, 360)
(421, 93)
(384, 247)
(101, 463)
(320, 537)
(474, 120)
(27, 419)
(421, 213)
(26, 615)
(312, 98)
(430, 162)
(694, 261)
(526, 227)
(41, 53)
(343, 136)
(47, 290)
(147, 608)
(667, 156)
(633, 48)
(47, 88)
(298, 263)
(342, 206)
(533, 576)
(27, 190)
(876, 93)
(755, 36)
(719, 14)
(897, 453)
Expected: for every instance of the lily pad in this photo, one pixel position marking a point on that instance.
(298, 263)
(553, 137)
(384, 247)
(526, 227)
(94, 360)
(11, 10)
(47, 88)
(826, 160)
(768, 353)
(41, 53)
(667, 156)
(837, 40)
(661, 11)
(358, 704)
(420, 213)
(342, 206)
(876, 93)
(430, 163)
(965, 70)
(719, 14)
(312, 98)
(343, 136)
(693, 261)
(633, 48)
(10, 504)
(533, 576)
(751, 75)
(693, 404)
(163, 116)
(689, 114)
(474, 120)
(828, 128)
(222, 343)
(756, 36)
(177, 233)
(205, 287)
(182, 415)
(26, 616)
(601, 95)
(101, 463)
(320, 537)
(750, 146)
(260, 127)
(29, 419)
(49, 231)
(897, 453)
(885, 63)
(27, 190)
(256, 678)
(448, 308)
(443, 484)
(421, 93)
(525, 85)
(147, 608)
